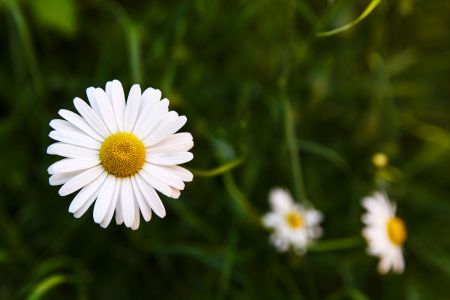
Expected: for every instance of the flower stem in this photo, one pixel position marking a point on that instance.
(134, 50)
(336, 244)
(299, 186)
(242, 205)
(219, 170)
(133, 36)
(27, 44)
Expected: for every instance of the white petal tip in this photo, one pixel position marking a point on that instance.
(97, 217)
(175, 194)
(160, 213)
(190, 156)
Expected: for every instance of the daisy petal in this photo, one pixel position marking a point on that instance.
(104, 199)
(71, 151)
(179, 142)
(83, 209)
(137, 217)
(114, 90)
(156, 183)
(181, 172)
(79, 123)
(63, 125)
(143, 205)
(152, 120)
(127, 202)
(61, 178)
(150, 100)
(165, 130)
(175, 193)
(72, 164)
(152, 197)
(168, 118)
(81, 180)
(168, 159)
(119, 215)
(112, 207)
(313, 217)
(165, 176)
(86, 193)
(280, 200)
(132, 108)
(91, 117)
(92, 97)
(106, 110)
(74, 138)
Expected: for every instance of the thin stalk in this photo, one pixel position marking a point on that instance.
(219, 170)
(25, 38)
(134, 50)
(133, 36)
(242, 204)
(336, 244)
(294, 153)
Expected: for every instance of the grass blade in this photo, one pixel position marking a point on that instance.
(46, 285)
(372, 5)
(219, 170)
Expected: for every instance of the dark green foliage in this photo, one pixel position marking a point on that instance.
(237, 69)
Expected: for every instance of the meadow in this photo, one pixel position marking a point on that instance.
(270, 102)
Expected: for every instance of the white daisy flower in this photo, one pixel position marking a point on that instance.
(118, 154)
(385, 233)
(293, 225)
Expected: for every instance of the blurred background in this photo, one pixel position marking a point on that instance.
(269, 104)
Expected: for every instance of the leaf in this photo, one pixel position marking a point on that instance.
(219, 170)
(42, 287)
(372, 5)
(327, 153)
(26, 42)
(211, 257)
(60, 15)
(336, 244)
(294, 154)
(242, 205)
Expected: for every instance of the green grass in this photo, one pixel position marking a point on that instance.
(269, 104)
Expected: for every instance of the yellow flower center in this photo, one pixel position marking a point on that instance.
(294, 220)
(396, 231)
(380, 160)
(122, 154)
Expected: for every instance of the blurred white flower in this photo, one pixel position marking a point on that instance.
(294, 226)
(118, 153)
(385, 233)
